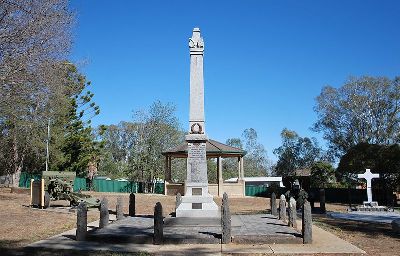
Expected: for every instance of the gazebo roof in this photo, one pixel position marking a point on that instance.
(213, 149)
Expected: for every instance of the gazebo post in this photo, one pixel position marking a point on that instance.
(239, 170)
(242, 167)
(220, 179)
(169, 168)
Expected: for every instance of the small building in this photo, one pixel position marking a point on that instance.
(260, 181)
(214, 149)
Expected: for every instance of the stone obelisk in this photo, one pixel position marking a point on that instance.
(197, 202)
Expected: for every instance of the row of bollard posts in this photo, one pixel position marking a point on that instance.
(291, 220)
(81, 216)
(81, 222)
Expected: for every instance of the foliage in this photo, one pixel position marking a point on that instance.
(35, 38)
(256, 162)
(322, 174)
(382, 159)
(80, 148)
(364, 109)
(296, 153)
(133, 149)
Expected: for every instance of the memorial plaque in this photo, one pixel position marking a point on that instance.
(197, 163)
(198, 206)
(197, 191)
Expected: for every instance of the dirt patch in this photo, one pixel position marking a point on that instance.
(22, 225)
(145, 203)
(373, 238)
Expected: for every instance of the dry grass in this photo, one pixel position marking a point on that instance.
(373, 238)
(145, 203)
(22, 225)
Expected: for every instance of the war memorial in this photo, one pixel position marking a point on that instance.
(198, 225)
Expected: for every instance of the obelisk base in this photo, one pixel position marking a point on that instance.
(197, 202)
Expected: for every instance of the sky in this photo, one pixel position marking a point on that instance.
(265, 62)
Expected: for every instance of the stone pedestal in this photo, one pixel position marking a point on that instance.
(197, 202)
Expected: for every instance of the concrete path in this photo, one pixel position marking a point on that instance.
(380, 217)
(323, 242)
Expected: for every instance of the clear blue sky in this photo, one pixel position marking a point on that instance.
(265, 61)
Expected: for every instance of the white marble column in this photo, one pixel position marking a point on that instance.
(197, 202)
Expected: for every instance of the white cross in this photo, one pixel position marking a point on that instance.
(368, 176)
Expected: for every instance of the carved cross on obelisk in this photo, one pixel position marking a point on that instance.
(368, 176)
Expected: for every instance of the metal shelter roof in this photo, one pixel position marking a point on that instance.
(213, 149)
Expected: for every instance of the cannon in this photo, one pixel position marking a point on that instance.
(60, 186)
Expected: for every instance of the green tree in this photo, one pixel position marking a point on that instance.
(365, 109)
(322, 174)
(133, 149)
(382, 159)
(296, 153)
(256, 162)
(35, 37)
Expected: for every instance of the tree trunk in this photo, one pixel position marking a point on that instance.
(17, 162)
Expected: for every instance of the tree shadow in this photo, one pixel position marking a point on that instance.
(370, 229)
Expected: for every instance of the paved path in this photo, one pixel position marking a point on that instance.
(380, 217)
(323, 241)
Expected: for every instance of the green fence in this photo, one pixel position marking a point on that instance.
(25, 179)
(80, 184)
(99, 185)
(262, 191)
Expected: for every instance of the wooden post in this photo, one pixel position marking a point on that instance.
(282, 208)
(307, 223)
(322, 200)
(119, 209)
(158, 224)
(104, 215)
(225, 220)
(31, 192)
(274, 209)
(132, 205)
(42, 194)
(81, 222)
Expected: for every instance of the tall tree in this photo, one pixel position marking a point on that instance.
(256, 162)
(134, 149)
(79, 146)
(382, 159)
(35, 37)
(296, 153)
(365, 109)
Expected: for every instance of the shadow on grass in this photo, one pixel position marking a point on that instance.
(368, 228)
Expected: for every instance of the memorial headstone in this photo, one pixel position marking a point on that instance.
(282, 208)
(104, 214)
(158, 224)
(132, 205)
(292, 213)
(197, 202)
(226, 220)
(81, 222)
(274, 209)
(306, 223)
(120, 209)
